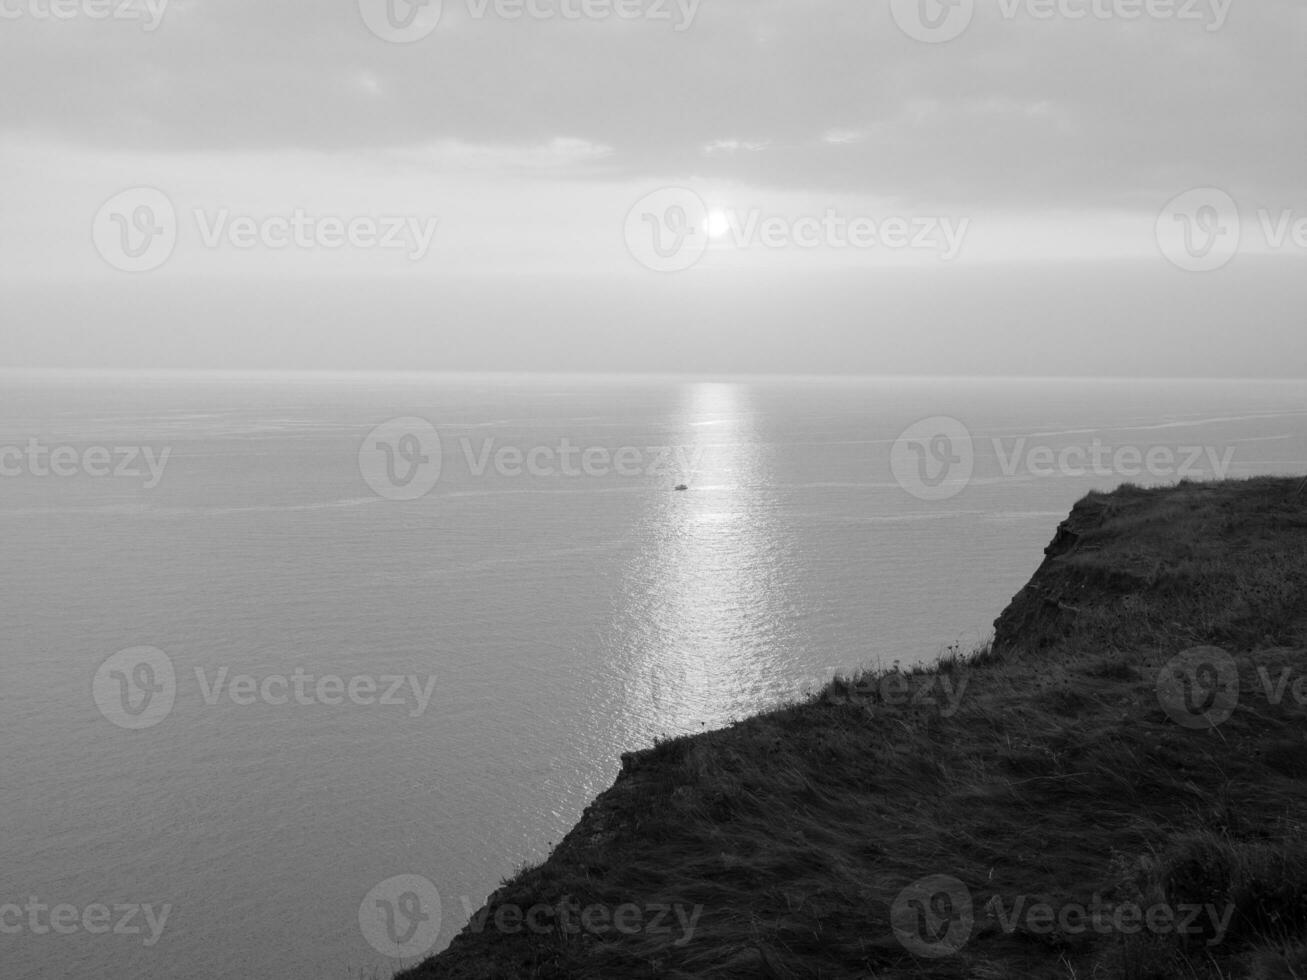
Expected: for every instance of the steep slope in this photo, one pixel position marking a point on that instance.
(1090, 797)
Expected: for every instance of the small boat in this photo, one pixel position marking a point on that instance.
(682, 486)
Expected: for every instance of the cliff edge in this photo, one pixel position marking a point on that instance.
(1117, 787)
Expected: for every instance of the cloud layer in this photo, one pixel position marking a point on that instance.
(1094, 105)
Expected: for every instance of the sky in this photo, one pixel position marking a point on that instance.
(1005, 187)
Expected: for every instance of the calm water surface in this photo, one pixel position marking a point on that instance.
(553, 621)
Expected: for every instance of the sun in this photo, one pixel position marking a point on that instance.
(718, 223)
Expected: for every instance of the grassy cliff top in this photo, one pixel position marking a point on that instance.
(1116, 788)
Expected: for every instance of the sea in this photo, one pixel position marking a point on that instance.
(278, 651)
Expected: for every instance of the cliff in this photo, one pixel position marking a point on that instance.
(1114, 789)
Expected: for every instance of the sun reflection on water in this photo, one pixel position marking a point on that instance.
(704, 625)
